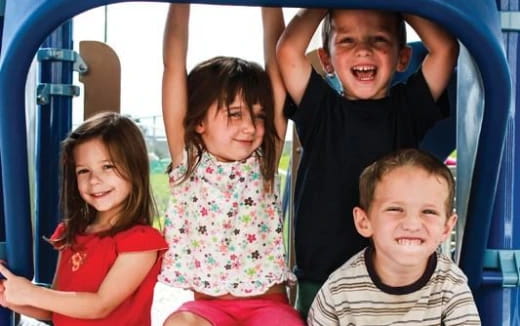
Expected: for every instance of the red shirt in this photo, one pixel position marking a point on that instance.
(85, 268)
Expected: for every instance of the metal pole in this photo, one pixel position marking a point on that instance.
(54, 121)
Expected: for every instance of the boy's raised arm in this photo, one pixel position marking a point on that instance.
(294, 66)
(174, 83)
(443, 50)
(273, 26)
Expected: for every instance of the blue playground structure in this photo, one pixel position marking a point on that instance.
(484, 91)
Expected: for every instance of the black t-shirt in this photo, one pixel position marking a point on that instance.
(340, 137)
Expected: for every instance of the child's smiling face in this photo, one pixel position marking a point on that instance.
(99, 182)
(407, 219)
(364, 52)
(232, 133)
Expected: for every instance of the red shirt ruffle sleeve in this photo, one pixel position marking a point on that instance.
(58, 232)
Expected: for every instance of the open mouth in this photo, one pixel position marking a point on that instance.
(364, 72)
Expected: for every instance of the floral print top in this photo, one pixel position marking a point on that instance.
(224, 230)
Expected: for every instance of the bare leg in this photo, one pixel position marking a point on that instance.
(186, 319)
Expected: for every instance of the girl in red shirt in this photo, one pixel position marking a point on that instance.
(109, 254)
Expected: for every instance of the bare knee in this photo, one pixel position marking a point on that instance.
(185, 319)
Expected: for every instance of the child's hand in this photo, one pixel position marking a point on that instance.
(3, 303)
(14, 289)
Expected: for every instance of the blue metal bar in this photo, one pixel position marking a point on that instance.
(492, 278)
(491, 295)
(2, 216)
(15, 188)
(2, 11)
(15, 184)
(5, 314)
(53, 123)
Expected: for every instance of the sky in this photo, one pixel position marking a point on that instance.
(135, 32)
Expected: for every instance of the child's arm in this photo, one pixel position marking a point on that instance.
(32, 312)
(294, 66)
(28, 311)
(443, 51)
(124, 277)
(273, 26)
(174, 84)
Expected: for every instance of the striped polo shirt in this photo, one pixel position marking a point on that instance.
(354, 296)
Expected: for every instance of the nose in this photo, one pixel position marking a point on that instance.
(248, 125)
(363, 48)
(411, 222)
(94, 178)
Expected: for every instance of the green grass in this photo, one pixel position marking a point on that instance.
(161, 193)
(284, 162)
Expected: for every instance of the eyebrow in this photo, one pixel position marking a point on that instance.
(102, 161)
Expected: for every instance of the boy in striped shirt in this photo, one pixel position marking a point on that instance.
(406, 210)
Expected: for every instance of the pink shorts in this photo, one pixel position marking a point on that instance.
(269, 309)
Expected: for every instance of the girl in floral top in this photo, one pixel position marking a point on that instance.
(225, 131)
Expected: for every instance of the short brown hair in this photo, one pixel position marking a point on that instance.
(373, 174)
(326, 29)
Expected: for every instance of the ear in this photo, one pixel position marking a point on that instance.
(362, 222)
(448, 226)
(403, 59)
(325, 61)
(200, 128)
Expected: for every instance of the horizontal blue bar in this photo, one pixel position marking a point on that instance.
(492, 278)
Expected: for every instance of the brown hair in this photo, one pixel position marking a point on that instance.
(127, 149)
(326, 29)
(373, 174)
(220, 80)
